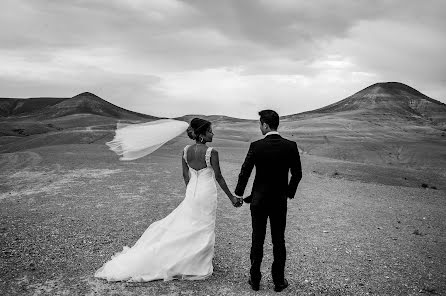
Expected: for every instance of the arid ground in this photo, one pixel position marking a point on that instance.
(352, 229)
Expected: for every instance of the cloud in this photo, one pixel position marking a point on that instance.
(172, 56)
(408, 53)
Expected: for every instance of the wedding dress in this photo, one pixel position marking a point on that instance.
(180, 246)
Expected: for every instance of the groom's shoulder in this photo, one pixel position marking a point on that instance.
(257, 143)
(289, 142)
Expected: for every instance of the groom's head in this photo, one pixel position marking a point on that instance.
(269, 121)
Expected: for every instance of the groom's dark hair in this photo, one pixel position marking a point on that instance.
(269, 117)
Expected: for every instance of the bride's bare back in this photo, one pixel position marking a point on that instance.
(196, 156)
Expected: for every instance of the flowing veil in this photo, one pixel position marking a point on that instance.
(133, 141)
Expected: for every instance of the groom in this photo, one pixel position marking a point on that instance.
(274, 157)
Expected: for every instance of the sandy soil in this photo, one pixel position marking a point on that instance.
(353, 229)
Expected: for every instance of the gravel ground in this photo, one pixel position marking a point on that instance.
(64, 210)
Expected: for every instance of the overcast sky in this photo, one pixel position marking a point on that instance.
(170, 58)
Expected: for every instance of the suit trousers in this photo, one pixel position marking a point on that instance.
(277, 218)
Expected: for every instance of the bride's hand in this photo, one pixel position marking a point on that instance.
(236, 202)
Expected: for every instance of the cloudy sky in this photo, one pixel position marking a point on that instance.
(170, 57)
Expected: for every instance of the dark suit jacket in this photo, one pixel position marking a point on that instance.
(274, 157)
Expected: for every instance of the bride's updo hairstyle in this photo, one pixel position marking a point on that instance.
(197, 127)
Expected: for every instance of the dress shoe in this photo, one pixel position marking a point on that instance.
(282, 286)
(254, 286)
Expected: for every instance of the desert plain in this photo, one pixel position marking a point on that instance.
(368, 217)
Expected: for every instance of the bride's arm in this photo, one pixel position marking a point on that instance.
(215, 162)
(186, 176)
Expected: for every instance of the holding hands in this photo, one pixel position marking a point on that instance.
(236, 201)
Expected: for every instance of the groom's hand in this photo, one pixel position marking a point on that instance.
(239, 202)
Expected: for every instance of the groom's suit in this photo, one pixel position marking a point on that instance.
(274, 158)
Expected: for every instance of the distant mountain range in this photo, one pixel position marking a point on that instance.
(391, 98)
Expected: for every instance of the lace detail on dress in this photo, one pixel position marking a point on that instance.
(185, 153)
(208, 157)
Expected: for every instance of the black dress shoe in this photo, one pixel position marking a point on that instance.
(282, 286)
(254, 286)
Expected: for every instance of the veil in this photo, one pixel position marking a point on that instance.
(133, 141)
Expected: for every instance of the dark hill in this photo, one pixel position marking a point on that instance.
(84, 103)
(389, 98)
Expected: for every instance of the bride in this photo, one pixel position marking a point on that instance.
(180, 246)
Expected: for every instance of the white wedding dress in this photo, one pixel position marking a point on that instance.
(180, 246)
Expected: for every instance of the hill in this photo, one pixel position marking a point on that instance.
(84, 103)
(391, 99)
